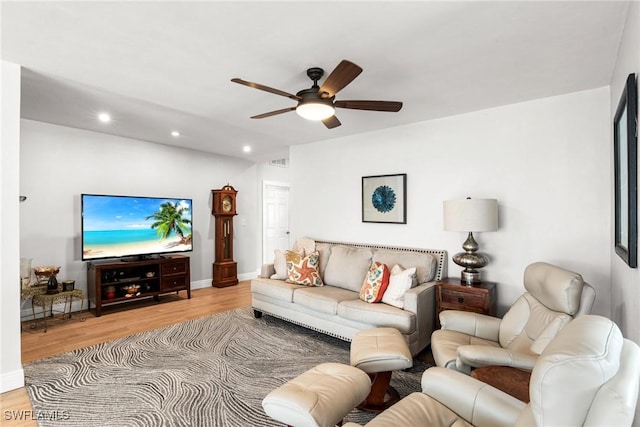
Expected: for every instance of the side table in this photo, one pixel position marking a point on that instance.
(511, 380)
(43, 299)
(452, 294)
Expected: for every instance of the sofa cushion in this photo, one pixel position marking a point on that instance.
(347, 267)
(378, 315)
(400, 282)
(273, 288)
(426, 264)
(324, 299)
(324, 249)
(303, 270)
(375, 283)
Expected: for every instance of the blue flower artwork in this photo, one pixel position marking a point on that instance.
(383, 198)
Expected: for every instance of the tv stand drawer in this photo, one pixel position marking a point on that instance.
(172, 283)
(174, 267)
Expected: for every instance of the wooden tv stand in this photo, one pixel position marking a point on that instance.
(121, 281)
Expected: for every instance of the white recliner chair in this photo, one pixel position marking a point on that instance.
(588, 375)
(470, 340)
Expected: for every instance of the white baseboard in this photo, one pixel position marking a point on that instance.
(248, 276)
(206, 283)
(200, 284)
(11, 380)
(27, 314)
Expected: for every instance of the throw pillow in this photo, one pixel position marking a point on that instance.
(303, 270)
(304, 246)
(400, 282)
(280, 265)
(375, 283)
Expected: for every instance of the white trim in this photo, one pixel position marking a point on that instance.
(206, 283)
(11, 380)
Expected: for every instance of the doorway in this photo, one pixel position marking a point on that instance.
(275, 219)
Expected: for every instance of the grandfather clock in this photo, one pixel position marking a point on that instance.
(225, 269)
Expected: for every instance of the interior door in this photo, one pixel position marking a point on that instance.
(275, 228)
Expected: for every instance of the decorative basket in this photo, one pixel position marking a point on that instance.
(43, 273)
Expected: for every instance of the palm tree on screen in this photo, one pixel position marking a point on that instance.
(170, 219)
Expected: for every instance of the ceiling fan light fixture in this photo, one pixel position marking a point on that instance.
(311, 107)
(315, 111)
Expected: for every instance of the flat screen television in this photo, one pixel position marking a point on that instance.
(138, 227)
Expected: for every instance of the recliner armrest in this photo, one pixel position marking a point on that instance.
(478, 356)
(267, 270)
(478, 403)
(474, 324)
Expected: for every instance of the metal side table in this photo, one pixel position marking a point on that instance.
(44, 299)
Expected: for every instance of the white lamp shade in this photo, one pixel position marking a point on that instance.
(470, 215)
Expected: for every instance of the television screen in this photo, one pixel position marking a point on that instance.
(125, 226)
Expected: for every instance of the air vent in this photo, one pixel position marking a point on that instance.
(281, 163)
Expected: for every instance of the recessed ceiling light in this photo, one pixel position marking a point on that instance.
(104, 117)
(246, 149)
(175, 133)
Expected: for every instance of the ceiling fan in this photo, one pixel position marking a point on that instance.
(318, 103)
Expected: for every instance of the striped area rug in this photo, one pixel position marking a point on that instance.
(212, 371)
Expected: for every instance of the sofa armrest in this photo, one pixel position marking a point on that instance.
(267, 270)
(421, 301)
(474, 324)
(478, 356)
(478, 403)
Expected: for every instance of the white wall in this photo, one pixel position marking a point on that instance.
(11, 375)
(546, 161)
(625, 281)
(59, 163)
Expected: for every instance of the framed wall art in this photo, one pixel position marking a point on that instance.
(384, 198)
(625, 170)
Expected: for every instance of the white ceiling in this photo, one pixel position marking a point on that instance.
(159, 66)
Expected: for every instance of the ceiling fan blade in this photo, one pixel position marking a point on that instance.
(273, 113)
(331, 122)
(267, 89)
(392, 106)
(341, 76)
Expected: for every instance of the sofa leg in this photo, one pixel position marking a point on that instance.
(257, 314)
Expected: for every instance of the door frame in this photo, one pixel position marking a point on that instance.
(266, 184)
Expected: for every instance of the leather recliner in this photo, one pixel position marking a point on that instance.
(588, 375)
(469, 340)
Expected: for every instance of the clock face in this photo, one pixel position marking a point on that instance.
(227, 204)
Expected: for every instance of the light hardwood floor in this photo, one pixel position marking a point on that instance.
(84, 329)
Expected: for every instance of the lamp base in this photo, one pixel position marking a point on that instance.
(470, 277)
(471, 260)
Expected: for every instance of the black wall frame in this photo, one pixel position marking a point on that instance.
(625, 141)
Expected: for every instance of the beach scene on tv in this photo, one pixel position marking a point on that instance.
(120, 226)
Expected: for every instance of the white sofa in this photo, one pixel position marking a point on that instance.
(336, 309)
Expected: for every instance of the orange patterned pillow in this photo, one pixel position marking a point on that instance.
(375, 283)
(303, 270)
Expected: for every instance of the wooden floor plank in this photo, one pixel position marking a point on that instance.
(84, 329)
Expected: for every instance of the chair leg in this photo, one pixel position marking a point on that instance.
(380, 389)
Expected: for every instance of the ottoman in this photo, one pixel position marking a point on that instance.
(320, 397)
(378, 352)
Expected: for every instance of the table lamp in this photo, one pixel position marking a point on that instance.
(470, 215)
